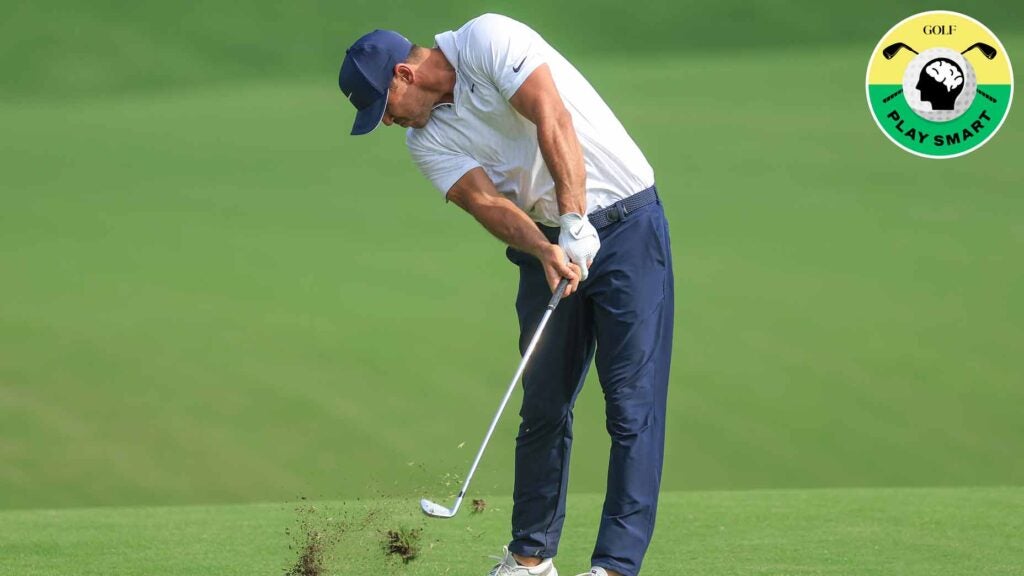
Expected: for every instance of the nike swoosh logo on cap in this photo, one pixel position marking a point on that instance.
(516, 69)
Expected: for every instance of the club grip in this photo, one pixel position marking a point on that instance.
(557, 296)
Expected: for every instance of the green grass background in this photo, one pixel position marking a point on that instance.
(210, 293)
(878, 532)
(60, 48)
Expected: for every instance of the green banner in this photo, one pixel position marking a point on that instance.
(963, 134)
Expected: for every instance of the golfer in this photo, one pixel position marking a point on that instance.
(509, 131)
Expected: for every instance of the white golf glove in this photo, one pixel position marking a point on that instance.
(579, 240)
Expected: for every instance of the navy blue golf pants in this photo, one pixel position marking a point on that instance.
(622, 315)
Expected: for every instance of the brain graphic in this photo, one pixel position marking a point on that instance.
(945, 73)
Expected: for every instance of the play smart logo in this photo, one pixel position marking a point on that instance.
(939, 84)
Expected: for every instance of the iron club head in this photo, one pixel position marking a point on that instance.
(988, 51)
(890, 51)
(435, 510)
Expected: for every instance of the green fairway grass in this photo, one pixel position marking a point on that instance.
(216, 295)
(926, 532)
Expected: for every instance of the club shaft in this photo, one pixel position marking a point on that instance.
(555, 298)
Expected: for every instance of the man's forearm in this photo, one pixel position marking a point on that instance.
(563, 155)
(511, 225)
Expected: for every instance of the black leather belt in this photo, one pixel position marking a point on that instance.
(621, 209)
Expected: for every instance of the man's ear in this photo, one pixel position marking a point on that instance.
(404, 73)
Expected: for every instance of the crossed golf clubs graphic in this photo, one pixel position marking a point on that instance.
(891, 50)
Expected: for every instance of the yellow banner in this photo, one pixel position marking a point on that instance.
(939, 30)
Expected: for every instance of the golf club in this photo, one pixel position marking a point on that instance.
(893, 95)
(438, 511)
(892, 49)
(987, 50)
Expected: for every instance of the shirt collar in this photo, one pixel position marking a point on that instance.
(449, 47)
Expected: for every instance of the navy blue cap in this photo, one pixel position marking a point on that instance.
(366, 75)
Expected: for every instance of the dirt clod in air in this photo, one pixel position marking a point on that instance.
(479, 505)
(314, 541)
(403, 543)
(381, 535)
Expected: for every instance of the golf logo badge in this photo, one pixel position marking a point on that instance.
(939, 84)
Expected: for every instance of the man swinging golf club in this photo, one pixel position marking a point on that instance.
(508, 130)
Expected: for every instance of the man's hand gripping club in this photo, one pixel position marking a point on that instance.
(557, 266)
(579, 240)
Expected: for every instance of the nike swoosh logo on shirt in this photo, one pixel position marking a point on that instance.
(516, 69)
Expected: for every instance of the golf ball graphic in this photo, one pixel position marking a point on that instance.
(939, 84)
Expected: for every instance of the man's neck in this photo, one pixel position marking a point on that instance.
(440, 76)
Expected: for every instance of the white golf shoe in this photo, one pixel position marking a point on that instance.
(595, 571)
(507, 566)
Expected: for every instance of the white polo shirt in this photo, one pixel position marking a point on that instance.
(492, 56)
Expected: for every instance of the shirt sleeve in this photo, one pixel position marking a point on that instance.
(504, 50)
(441, 165)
